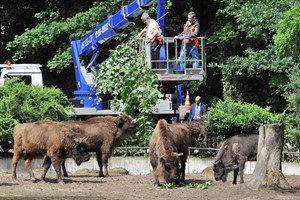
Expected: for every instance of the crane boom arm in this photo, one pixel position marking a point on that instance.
(87, 49)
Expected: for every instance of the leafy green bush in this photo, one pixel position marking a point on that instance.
(20, 103)
(228, 118)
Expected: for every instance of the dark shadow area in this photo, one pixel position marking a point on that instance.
(8, 184)
(68, 181)
(196, 181)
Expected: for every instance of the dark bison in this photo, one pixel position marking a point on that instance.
(199, 135)
(233, 155)
(169, 149)
(104, 132)
(53, 140)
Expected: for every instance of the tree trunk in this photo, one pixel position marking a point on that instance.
(267, 172)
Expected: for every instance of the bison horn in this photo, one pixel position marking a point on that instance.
(180, 154)
(84, 139)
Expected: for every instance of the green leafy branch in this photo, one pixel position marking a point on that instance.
(128, 78)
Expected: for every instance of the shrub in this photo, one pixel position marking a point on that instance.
(20, 103)
(228, 118)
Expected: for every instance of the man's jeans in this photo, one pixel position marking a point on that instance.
(189, 50)
(155, 53)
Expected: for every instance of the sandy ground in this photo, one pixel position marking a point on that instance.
(86, 185)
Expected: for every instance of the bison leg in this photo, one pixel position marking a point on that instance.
(27, 162)
(63, 165)
(106, 150)
(182, 172)
(16, 158)
(235, 174)
(99, 160)
(241, 177)
(57, 163)
(105, 165)
(46, 166)
(241, 169)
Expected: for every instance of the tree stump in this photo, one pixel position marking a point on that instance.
(267, 172)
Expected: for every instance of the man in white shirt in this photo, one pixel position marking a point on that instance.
(153, 36)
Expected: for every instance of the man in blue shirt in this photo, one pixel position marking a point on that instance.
(198, 109)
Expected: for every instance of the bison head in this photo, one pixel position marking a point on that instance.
(80, 151)
(220, 172)
(125, 124)
(168, 169)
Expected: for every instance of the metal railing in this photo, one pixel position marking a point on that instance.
(195, 151)
(169, 63)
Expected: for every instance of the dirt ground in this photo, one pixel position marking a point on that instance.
(86, 185)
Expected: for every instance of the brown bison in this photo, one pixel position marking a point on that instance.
(169, 149)
(233, 155)
(52, 139)
(104, 132)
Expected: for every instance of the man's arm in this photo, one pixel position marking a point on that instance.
(181, 34)
(197, 29)
(142, 32)
(191, 112)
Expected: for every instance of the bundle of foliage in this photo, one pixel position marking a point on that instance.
(202, 186)
(130, 81)
(228, 118)
(20, 103)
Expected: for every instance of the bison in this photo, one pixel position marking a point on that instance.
(233, 155)
(169, 149)
(52, 139)
(104, 132)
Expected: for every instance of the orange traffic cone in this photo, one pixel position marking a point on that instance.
(187, 102)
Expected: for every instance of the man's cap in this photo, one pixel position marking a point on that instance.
(173, 118)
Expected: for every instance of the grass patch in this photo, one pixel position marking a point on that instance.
(118, 171)
(87, 171)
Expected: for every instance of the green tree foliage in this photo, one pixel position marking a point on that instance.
(293, 128)
(20, 103)
(250, 69)
(287, 37)
(128, 78)
(264, 75)
(228, 118)
(243, 24)
(56, 30)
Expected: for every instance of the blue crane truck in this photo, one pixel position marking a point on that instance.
(171, 75)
